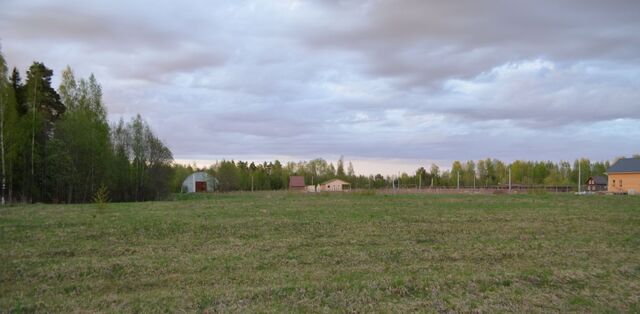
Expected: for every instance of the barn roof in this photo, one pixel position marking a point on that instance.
(625, 165)
(199, 176)
(599, 180)
(296, 181)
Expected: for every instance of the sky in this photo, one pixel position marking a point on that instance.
(389, 85)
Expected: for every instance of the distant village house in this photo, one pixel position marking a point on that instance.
(596, 184)
(335, 185)
(199, 182)
(624, 176)
(296, 183)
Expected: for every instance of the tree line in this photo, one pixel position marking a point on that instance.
(56, 145)
(247, 176)
(493, 172)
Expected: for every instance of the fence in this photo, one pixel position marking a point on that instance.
(482, 190)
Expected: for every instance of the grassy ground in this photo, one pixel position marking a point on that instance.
(325, 252)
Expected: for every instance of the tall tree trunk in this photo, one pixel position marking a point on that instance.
(10, 198)
(2, 106)
(33, 139)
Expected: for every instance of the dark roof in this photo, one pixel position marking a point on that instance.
(625, 165)
(296, 181)
(600, 180)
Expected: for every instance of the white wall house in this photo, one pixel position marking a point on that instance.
(335, 185)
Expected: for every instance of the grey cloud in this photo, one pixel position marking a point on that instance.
(96, 30)
(546, 97)
(427, 41)
(134, 47)
(162, 67)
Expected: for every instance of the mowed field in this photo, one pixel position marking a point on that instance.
(278, 251)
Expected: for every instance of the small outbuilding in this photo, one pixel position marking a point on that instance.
(335, 185)
(624, 176)
(296, 183)
(199, 182)
(596, 183)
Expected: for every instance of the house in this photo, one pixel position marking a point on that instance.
(624, 176)
(199, 182)
(335, 185)
(596, 183)
(296, 183)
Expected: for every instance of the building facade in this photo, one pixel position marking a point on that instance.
(335, 185)
(624, 176)
(296, 183)
(199, 182)
(596, 183)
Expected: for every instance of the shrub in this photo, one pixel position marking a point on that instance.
(101, 196)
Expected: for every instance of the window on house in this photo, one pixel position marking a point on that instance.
(620, 183)
(614, 183)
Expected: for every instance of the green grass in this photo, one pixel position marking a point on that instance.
(274, 252)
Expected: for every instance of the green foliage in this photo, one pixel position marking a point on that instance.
(340, 169)
(81, 140)
(180, 172)
(58, 145)
(492, 172)
(102, 195)
(143, 164)
(228, 176)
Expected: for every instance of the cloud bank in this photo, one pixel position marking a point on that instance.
(371, 80)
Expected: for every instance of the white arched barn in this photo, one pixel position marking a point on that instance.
(199, 182)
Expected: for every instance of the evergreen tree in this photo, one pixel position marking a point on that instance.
(18, 91)
(340, 169)
(44, 109)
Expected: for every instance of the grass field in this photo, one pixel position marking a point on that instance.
(325, 252)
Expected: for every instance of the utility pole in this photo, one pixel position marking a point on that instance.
(393, 184)
(458, 181)
(579, 176)
(251, 182)
(420, 182)
(474, 181)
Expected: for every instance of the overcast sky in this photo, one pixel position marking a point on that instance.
(391, 85)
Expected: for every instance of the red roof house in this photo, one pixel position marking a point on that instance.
(296, 183)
